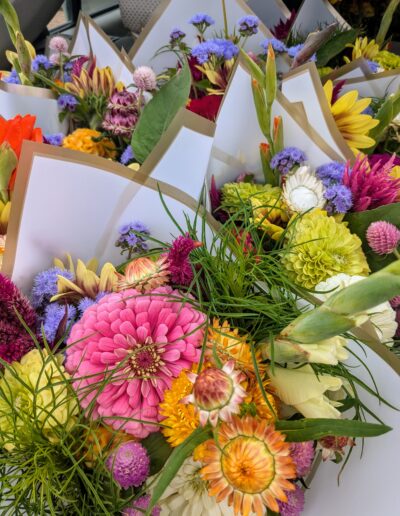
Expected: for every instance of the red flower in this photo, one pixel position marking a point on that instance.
(207, 106)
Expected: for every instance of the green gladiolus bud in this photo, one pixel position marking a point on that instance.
(24, 56)
(8, 162)
(270, 77)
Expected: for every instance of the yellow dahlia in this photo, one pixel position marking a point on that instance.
(180, 419)
(90, 142)
(347, 112)
(319, 247)
(230, 345)
(363, 48)
(250, 466)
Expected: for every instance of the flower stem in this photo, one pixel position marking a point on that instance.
(225, 19)
(396, 253)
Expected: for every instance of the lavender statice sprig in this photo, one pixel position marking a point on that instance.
(132, 238)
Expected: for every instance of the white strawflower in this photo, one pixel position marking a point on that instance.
(145, 78)
(187, 495)
(383, 317)
(303, 191)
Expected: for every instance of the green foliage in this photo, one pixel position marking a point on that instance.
(359, 222)
(159, 113)
(313, 429)
(386, 22)
(335, 45)
(158, 449)
(386, 113)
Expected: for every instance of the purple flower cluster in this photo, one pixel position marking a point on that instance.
(129, 464)
(54, 139)
(288, 158)
(41, 61)
(201, 20)
(13, 78)
(278, 46)
(122, 113)
(133, 238)
(67, 102)
(87, 302)
(176, 36)
(295, 503)
(53, 317)
(45, 285)
(220, 48)
(294, 50)
(141, 503)
(248, 25)
(330, 173)
(373, 66)
(302, 454)
(127, 156)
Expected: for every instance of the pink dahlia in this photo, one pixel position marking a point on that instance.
(127, 349)
(373, 187)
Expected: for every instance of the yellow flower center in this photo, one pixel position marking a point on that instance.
(248, 465)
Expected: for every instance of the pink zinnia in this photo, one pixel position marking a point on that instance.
(135, 344)
(373, 187)
(383, 237)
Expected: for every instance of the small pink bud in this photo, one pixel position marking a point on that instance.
(58, 44)
(144, 78)
(212, 389)
(383, 237)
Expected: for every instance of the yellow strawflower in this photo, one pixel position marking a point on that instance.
(90, 142)
(35, 397)
(319, 247)
(180, 419)
(347, 112)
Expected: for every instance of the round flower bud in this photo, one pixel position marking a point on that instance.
(144, 78)
(129, 464)
(383, 237)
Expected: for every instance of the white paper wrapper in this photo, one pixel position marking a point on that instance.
(238, 136)
(270, 12)
(16, 99)
(176, 13)
(314, 14)
(90, 38)
(375, 85)
(70, 202)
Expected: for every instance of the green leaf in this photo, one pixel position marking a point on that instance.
(386, 22)
(158, 449)
(175, 461)
(10, 17)
(314, 429)
(358, 223)
(159, 113)
(335, 45)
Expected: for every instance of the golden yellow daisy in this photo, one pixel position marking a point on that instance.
(347, 112)
(250, 466)
(180, 419)
(230, 345)
(90, 142)
(363, 47)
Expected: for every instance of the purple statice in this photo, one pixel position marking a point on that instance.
(339, 197)
(176, 36)
(278, 46)
(330, 173)
(87, 302)
(201, 21)
(302, 454)
(39, 62)
(132, 238)
(220, 48)
(54, 139)
(373, 66)
(288, 158)
(13, 78)
(129, 464)
(141, 503)
(127, 156)
(295, 503)
(67, 77)
(67, 102)
(53, 317)
(368, 111)
(248, 25)
(295, 49)
(45, 285)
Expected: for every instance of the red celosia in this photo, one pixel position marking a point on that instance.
(336, 91)
(373, 187)
(15, 341)
(282, 29)
(207, 106)
(383, 158)
(180, 267)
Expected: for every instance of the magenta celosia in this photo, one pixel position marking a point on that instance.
(180, 267)
(383, 159)
(129, 464)
(373, 187)
(302, 455)
(383, 237)
(127, 349)
(282, 29)
(15, 341)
